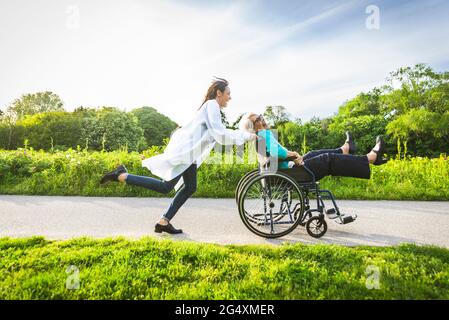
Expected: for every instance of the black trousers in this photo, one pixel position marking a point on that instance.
(333, 162)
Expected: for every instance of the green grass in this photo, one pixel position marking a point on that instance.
(77, 172)
(413, 178)
(35, 268)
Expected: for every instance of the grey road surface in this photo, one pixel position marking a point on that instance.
(379, 223)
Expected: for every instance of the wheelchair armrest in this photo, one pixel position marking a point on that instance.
(310, 172)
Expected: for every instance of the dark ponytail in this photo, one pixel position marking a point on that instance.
(217, 84)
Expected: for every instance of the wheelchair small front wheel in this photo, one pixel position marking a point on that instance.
(316, 227)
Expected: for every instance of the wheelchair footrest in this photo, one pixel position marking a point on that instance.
(347, 219)
(332, 213)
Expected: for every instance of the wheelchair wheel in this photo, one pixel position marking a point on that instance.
(287, 199)
(316, 227)
(242, 182)
(271, 205)
(247, 178)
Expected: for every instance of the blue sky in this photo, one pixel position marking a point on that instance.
(309, 56)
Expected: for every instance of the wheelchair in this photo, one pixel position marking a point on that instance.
(272, 203)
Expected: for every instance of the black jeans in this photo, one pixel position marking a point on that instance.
(162, 186)
(333, 162)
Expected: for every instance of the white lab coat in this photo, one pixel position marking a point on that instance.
(193, 143)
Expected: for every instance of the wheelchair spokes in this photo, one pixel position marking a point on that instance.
(271, 205)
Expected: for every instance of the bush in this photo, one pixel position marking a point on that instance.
(46, 130)
(77, 172)
(110, 129)
(156, 127)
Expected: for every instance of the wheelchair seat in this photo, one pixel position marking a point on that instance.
(300, 174)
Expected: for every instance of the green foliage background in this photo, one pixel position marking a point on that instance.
(77, 172)
(411, 110)
(106, 128)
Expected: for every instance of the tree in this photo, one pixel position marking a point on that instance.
(235, 124)
(418, 87)
(313, 134)
(362, 105)
(420, 109)
(85, 111)
(224, 119)
(276, 115)
(112, 129)
(6, 130)
(364, 128)
(156, 126)
(54, 129)
(413, 106)
(34, 103)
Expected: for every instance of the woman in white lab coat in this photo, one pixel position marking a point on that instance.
(188, 147)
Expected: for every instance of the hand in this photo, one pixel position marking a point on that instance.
(299, 161)
(293, 154)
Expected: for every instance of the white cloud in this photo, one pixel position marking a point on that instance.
(164, 54)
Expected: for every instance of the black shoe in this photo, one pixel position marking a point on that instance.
(379, 160)
(168, 228)
(113, 175)
(350, 141)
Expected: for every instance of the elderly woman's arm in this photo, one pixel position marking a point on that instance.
(276, 149)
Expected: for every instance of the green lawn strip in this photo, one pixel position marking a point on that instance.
(119, 268)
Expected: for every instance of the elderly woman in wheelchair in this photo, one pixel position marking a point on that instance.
(275, 198)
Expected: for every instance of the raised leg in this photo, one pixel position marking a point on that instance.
(344, 165)
(157, 185)
(315, 153)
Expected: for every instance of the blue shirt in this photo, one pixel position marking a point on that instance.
(273, 148)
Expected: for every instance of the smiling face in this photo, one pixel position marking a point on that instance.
(223, 97)
(258, 122)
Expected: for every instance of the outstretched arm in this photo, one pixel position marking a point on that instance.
(283, 153)
(219, 132)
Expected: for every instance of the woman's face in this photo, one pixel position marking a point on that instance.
(223, 97)
(259, 122)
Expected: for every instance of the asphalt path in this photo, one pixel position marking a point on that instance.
(379, 223)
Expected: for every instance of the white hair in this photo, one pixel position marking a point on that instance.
(246, 124)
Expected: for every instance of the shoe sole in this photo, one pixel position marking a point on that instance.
(160, 231)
